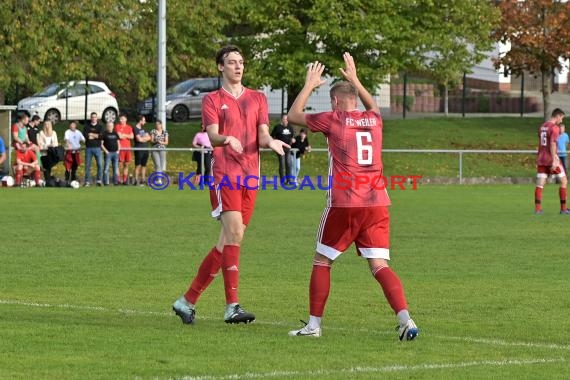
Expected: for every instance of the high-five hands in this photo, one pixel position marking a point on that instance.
(349, 71)
(314, 73)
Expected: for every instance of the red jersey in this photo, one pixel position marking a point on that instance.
(238, 117)
(28, 156)
(355, 157)
(126, 130)
(547, 136)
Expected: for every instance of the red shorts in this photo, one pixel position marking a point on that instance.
(71, 156)
(125, 156)
(226, 198)
(367, 227)
(545, 171)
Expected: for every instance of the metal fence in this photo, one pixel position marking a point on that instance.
(460, 154)
(180, 159)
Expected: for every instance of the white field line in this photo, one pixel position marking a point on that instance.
(485, 341)
(388, 369)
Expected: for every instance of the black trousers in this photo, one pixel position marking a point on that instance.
(284, 164)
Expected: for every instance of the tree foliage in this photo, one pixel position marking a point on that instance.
(385, 36)
(538, 32)
(47, 41)
(115, 40)
(452, 36)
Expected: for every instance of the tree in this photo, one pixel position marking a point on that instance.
(538, 32)
(283, 36)
(384, 36)
(51, 41)
(195, 31)
(452, 36)
(46, 41)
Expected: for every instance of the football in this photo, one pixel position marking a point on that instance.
(7, 181)
(74, 184)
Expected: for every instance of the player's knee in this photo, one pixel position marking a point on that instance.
(233, 235)
(376, 265)
(321, 260)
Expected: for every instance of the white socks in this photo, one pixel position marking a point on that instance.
(314, 322)
(403, 317)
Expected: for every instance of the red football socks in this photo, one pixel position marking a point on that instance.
(230, 270)
(206, 273)
(19, 176)
(537, 198)
(562, 193)
(319, 288)
(392, 287)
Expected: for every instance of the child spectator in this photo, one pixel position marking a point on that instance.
(73, 139)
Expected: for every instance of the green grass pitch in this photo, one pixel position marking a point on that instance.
(88, 276)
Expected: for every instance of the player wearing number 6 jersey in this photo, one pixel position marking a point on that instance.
(548, 163)
(358, 214)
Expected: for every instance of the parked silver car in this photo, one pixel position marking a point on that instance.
(183, 100)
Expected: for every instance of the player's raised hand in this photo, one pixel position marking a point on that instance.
(349, 71)
(314, 73)
(277, 146)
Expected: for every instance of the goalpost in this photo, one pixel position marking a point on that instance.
(5, 124)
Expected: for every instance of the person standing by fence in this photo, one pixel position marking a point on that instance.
(284, 132)
(301, 143)
(201, 141)
(92, 133)
(141, 156)
(125, 133)
(73, 139)
(110, 145)
(159, 139)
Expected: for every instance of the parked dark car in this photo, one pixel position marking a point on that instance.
(183, 100)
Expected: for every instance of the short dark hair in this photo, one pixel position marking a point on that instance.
(557, 112)
(36, 118)
(140, 117)
(223, 53)
(93, 113)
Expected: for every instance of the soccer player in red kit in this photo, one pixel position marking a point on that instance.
(357, 213)
(548, 163)
(27, 163)
(236, 120)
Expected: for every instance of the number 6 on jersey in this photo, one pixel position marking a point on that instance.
(364, 144)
